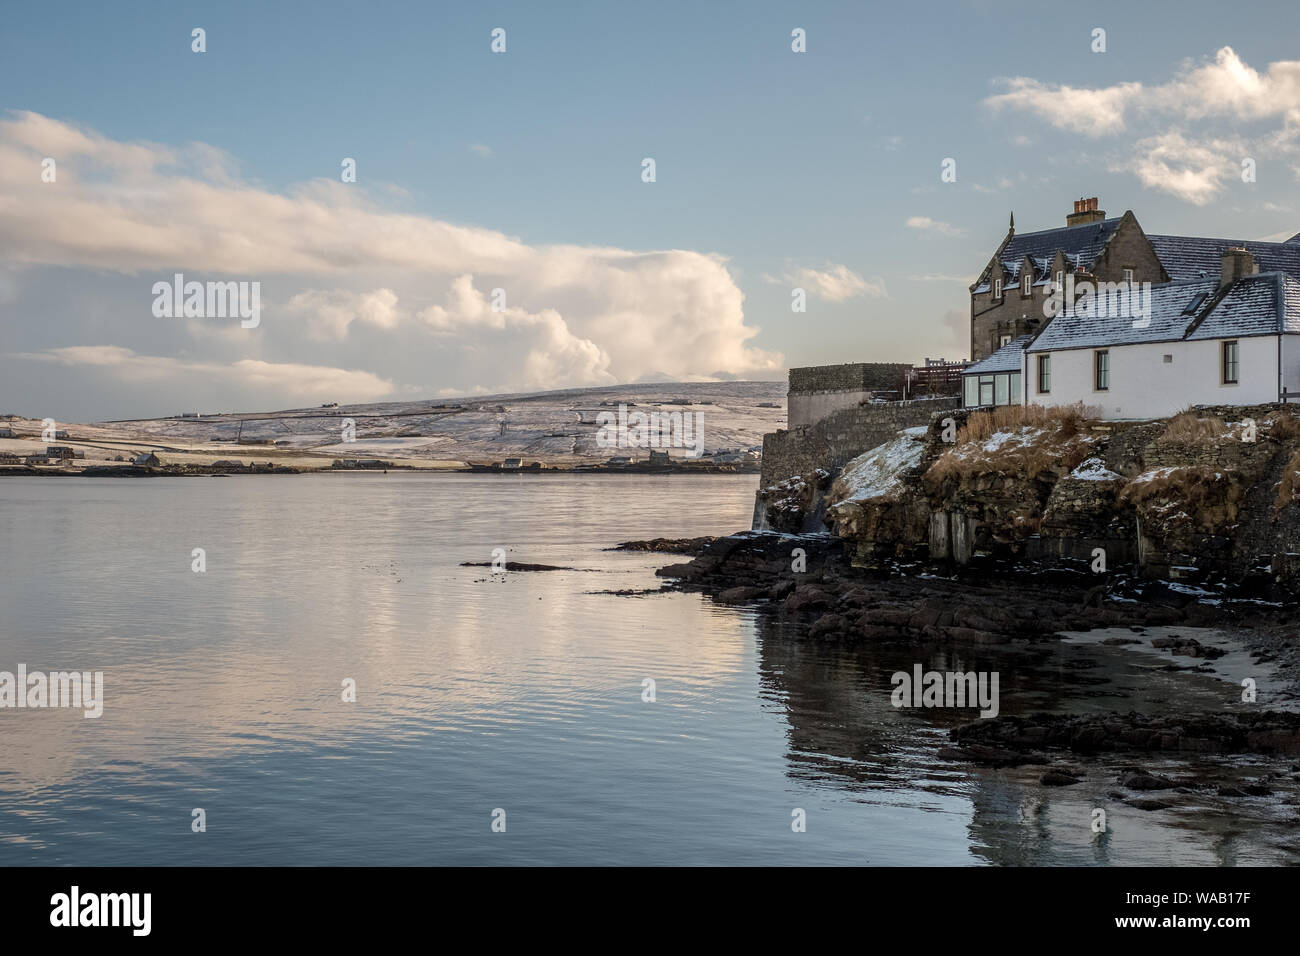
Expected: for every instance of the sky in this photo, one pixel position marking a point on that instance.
(500, 234)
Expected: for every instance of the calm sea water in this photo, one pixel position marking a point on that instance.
(478, 692)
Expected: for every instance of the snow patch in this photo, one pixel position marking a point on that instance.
(878, 473)
(1094, 469)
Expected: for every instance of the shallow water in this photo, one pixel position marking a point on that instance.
(477, 691)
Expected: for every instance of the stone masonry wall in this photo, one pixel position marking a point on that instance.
(852, 376)
(830, 443)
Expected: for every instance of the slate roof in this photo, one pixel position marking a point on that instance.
(1005, 359)
(1263, 304)
(1194, 257)
(1081, 245)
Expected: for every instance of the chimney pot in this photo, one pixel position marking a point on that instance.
(1235, 262)
(1085, 211)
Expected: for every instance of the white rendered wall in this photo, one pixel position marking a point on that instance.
(1143, 385)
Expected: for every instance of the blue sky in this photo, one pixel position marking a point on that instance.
(769, 163)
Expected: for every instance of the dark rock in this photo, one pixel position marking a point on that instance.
(1058, 778)
(1148, 781)
(740, 595)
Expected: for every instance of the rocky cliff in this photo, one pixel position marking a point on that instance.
(1209, 496)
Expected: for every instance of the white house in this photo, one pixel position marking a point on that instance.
(1231, 340)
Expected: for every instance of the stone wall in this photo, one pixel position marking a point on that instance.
(851, 376)
(833, 441)
(821, 390)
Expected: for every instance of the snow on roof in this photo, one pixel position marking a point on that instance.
(1005, 359)
(1255, 305)
(1193, 257)
(1081, 245)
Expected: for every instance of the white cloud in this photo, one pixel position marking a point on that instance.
(1211, 96)
(141, 208)
(1194, 171)
(835, 283)
(481, 150)
(329, 314)
(552, 353)
(1090, 112)
(936, 226)
(292, 381)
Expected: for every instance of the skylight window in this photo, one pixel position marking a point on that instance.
(1195, 303)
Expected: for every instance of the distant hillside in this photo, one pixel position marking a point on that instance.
(556, 427)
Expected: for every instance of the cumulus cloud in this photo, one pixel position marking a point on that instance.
(935, 226)
(148, 209)
(835, 283)
(1213, 94)
(1090, 112)
(288, 380)
(330, 313)
(552, 353)
(1195, 171)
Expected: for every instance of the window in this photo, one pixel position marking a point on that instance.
(1044, 374)
(1101, 368)
(986, 389)
(1004, 340)
(1001, 389)
(1015, 388)
(1169, 359)
(1231, 363)
(997, 288)
(1027, 284)
(1128, 276)
(972, 395)
(1060, 280)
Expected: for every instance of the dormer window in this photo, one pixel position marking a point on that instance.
(1027, 285)
(1060, 280)
(997, 288)
(1128, 276)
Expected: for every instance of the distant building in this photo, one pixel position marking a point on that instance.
(660, 458)
(59, 452)
(817, 391)
(147, 458)
(7, 432)
(512, 464)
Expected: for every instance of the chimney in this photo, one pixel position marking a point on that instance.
(1085, 211)
(1236, 262)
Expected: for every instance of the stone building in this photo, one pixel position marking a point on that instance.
(1009, 298)
(819, 390)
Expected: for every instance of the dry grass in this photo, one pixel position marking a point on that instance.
(981, 426)
(1187, 426)
(1056, 445)
(1288, 487)
(1204, 496)
(1283, 427)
